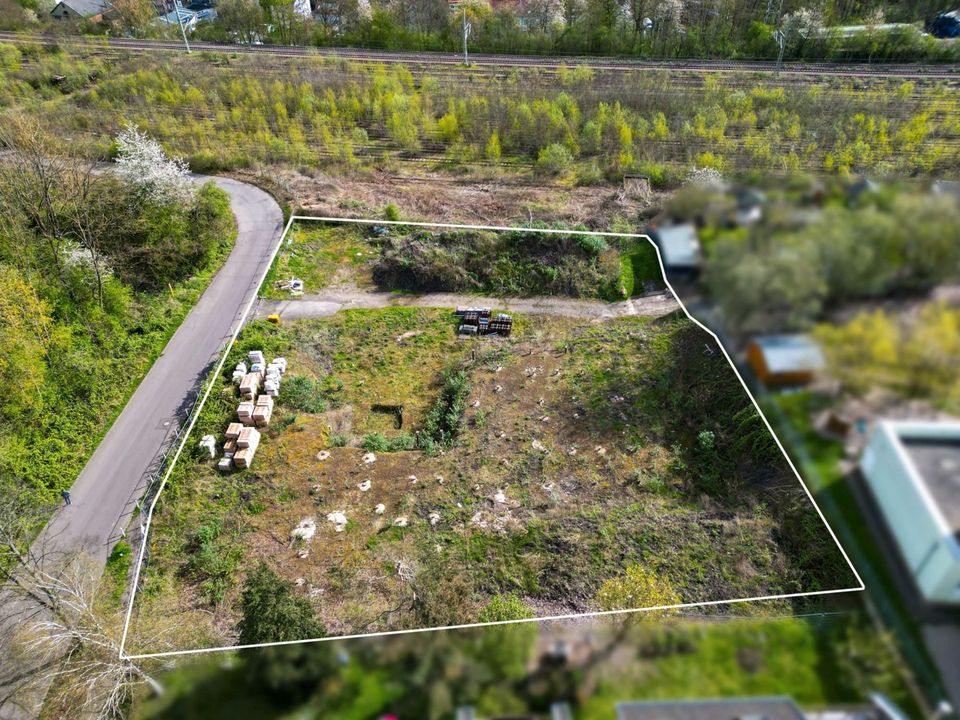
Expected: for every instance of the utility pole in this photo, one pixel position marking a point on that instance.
(176, 9)
(467, 27)
(781, 44)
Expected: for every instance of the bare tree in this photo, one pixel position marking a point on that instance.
(60, 644)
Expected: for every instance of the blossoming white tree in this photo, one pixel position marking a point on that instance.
(142, 163)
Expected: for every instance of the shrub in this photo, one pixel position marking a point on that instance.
(377, 442)
(303, 393)
(505, 607)
(271, 611)
(554, 160)
(443, 422)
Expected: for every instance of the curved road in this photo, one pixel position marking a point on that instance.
(114, 478)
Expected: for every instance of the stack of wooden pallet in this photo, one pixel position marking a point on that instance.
(263, 410)
(247, 443)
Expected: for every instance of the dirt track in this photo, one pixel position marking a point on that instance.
(332, 301)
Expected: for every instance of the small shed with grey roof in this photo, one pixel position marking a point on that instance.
(80, 9)
(679, 247)
(913, 471)
(785, 360)
(770, 708)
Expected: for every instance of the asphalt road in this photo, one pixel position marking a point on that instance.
(114, 478)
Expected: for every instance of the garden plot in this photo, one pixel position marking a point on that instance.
(575, 467)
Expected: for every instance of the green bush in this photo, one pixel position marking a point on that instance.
(443, 422)
(303, 393)
(377, 442)
(554, 160)
(505, 607)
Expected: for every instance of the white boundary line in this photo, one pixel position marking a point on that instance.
(365, 221)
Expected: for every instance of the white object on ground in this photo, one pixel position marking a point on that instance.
(412, 479)
(434, 518)
(500, 497)
(401, 521)
(338, 519)
(305, 530)
(323, 455)
(369, 458)
(364, 486)
(209, 443)
(380, 509)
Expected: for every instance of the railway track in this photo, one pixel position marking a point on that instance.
(951, 71)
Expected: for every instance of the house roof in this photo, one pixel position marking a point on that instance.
(679, 245)
(86, 8)
(773, 708)
(790, 353)
(933, 451)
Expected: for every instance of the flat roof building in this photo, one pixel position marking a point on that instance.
(771, 708)
(913, 471)
(679, 247)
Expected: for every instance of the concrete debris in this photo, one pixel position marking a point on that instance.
(233, 430)
(323, 455)
(364, 486)
(475, 403)
(315, 592)
(255, 356)
(305, 530)
(537, 445)
(338, 519)
(300, 582)
(600, 450)
(368, 458)
(209, 443)
(401, 521)
(380, 509)
(225, 464)
(438, 478)
(434, 518)
(245, 412)
(412, 479)
(500, 497)
(409, 334)
(498, 388)
(544, 418)
(478, 520)
(303, 553)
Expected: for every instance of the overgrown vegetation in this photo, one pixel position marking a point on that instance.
(444, 421)
(235, 112)
(95, 275)
(503, 264)
(817, 249)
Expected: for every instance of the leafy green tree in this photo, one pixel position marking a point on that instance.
(272, 612)
(25, 328)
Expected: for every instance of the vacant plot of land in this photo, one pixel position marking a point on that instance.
(574, 467)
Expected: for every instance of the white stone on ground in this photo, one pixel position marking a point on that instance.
(380, 509)
(323, 455)
(369, 458)
(338, 519)
(364, 486)
(305, 530)
(401, 521)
